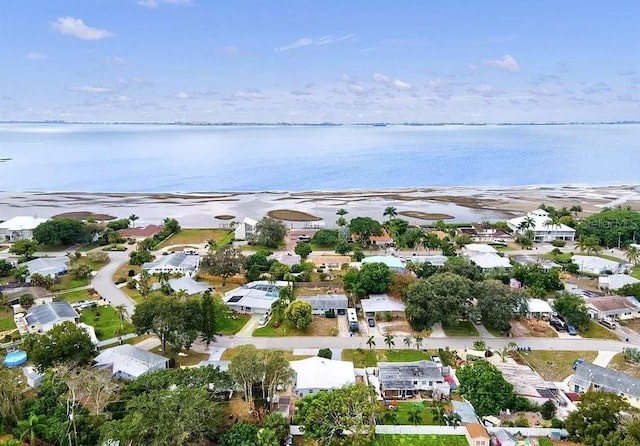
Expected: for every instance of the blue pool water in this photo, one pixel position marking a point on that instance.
(15, 359)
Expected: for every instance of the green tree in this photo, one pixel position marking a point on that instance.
(277, 373)
(430, 241)
(325, 237)
(303, 250)
(225, 262)
(452, 419)
(247, 368)
(276, 422)
(463, 267)
(598, 414)
(325, 416)
(426, 270)
(64, 342)
(11, 397)
(140, 257)
(144, 283)
(208, 318)
(5, 268)
(342, 247)
(21, 273)
(498, 304)
(588, 244)
(630, 290)
(31, 428)
(268, 232)
(633, 254)
(298, 314)
(548, 410)
(390, 212)
(133, 218)
(390, 417)
(408, 340)
(414, 415)
(611, 227)
(374, 278)
(279, 307)
(325, 353)
(26, 300)
(240, 434)
(42, 281)
(24, 248)
(62, 231)
(342, 212)
(388, 340)
(267, 437)
(364, 228)
(80, 271)
(417, 340)
(371, 342)
(358, 253)
(479, 344)
(573, 308)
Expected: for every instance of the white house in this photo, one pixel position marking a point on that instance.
(489, 262)
(19, 228)
(478, 248)
(322, 303)
(435, 260)
(538, 308)
(254, 297)
(315, 374)
(394, 263)
(616, 281)
(47, 266)
(189, 285)
(128, 362)
(594, 264)
(176, 263)
(543, 228)
(245, 229)
(381, 303)
(42, 318)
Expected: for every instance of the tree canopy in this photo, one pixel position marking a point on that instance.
(364, 228)
(298, 314)
(225, 262)
(325, 237)
(611, 226)
(498, 304)
(374, 278)
(597, 417)
(573, 308)
(62, 231)
(64, 342)
(268, 232)
(303, 250)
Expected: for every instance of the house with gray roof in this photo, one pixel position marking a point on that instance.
(189, 285)
(326, 302)
(42, 318)
(176, 263)
(47, 266)
(589, 376)
(399, 380)
(504, 438)
(128, 362)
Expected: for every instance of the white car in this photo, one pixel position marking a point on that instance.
(263, 320)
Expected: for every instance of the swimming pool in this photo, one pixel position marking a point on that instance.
(15, 359)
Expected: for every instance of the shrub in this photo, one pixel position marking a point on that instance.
(330, 314)
(120, 280)
(548, 410)
(131, 284)
(557, 424)
(521, 422)
(558, 243)
(131, 273)
(325, 353)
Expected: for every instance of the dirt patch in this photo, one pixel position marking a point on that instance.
(312, 291)
(84, 215)
(224, 217)
(291, 215)
(425, 215)
(535, 328)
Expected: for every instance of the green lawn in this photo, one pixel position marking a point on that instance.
(231, 323)
(68, 282)
(198, 236)
(370, 358)
(636, 272)
(402, 412)
(106, 322)
(463, 329)
(596, 330)
(564, 257)
(321, 326)
(185, 358)
(7, 323)
(555, 365)
(75, 296)
(422, 440)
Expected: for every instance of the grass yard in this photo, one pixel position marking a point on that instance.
(463, 329)
(123, 271)
(370, 358)
(6, 319)
(422, 440)
(555, 365)
(106, 322)
(598, 331)
(620, 364)
(68, 282)
(75, 296)
(321, 326)
(402, 413)
(257, 248)
(231, 323)
(137, 297)
(198, 236)
(636, 272)
(633, 324)
(187, 358)
(564, 257)
(230, 353)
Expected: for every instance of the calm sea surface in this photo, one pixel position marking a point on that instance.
(165, 158)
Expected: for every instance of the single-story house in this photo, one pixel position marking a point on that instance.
(435, 260)
(245, 229)
(595, 265)
(502, 437)
(478, 248)
(254, 297)
(42, 318)
(140, 232)
(328, 261)
(325, 302)
(544, 230)
(483, 233)
(590, 376)
(394, 263)
(535, 260)
(176, 263)
(286, 258)
(477, 435)
(538, 308)
(466, 411)
(616, 281)
(527, 382)
(572, 288)
(315, 374)
(128, 362)
(381, 303)
(399, 380)
(47, 266)
(19, 228)
(383, 239)
(189, 285)
(619, 307)
(489, 262)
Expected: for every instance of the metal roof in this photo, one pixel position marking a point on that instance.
(47, 265)
(189, 285)
(401, 375)
(51, 312)
(609, 380)
(378, 303)
(129, 359)
(465, 410)
(175, 260)
(335, 301)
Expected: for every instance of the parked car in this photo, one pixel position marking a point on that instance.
(558, 324)
(263, 320)
(609, 324)
(572, 330)
(437, 360)
(371, 322)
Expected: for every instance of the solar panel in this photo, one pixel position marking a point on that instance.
(235, 299)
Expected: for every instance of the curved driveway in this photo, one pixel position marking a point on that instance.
(103, 282)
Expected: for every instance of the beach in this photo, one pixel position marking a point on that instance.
(198, 210)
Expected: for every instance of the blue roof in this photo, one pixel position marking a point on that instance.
(390, 261)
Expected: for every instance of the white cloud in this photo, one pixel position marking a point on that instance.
(89, 89)
(148, 3)
(70, 26)
(599, 87)
(400, 85)
(115, 60)
(379, 77)
(307, 41)
(249, 95)
(121, 98)
(486, 91)
(226, 50)
(396, 84)
(358, 88)
(36, 56)
(182, 95)
(542, 92)
(298, 92)
(152, 4)
(507, 63)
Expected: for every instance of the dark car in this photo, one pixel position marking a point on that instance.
(371, 322)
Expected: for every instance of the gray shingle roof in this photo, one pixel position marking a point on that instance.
(401, 375)
(47, 265)
(175, 260)
(50, 312)
(606, 379)
(334, 301)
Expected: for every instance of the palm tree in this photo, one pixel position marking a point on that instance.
(342, 212)
(391, 212)
(278, 310)
(132, 219)
(505, 351)
(633, 255)
(163, 277)
(453, 419)
(30, 427)
(588, 244)
(182, 294)
(438, 413)
(414, 416)
(121, 310)
(341, 221)
(212, 246)
(575, 209)
(407, 341)
(390, 417)
(371, 342)
(388, 339)
(418, 341)
(430, 241)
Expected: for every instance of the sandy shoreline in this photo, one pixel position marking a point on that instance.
(198, 209)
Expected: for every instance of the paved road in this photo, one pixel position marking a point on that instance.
(103, 282)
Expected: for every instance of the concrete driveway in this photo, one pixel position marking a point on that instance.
(103, 282)
(249, 327)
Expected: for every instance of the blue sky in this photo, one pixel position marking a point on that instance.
(303, 61)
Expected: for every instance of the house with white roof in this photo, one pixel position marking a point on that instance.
(315, 374)
(189, 285)
(254, 297)
(47, 266)
(128, 362)
(381, 303)
(245, 229)
(544, 230)
(176, 263)
(616, 281)
(486, 257)
(595, 265)
(42, 318)
(478, 248)
(19, 228)
(538, 308)
(435, 260)
(394, 263)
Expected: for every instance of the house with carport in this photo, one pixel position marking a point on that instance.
(538, 308)
(380, 304)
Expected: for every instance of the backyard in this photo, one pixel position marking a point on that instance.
(6, 319)
(230, 353)
(555, 365)
(422, 440)
(106, 321)
(198, 236)
(75, 296)
(370, 357)
(321, 326)
(187, 358)
(402, 410)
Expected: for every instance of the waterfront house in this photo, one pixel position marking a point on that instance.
(543, 228)
(19, 228)
(245, 229)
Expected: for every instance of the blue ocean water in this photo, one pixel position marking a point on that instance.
(171, 158)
